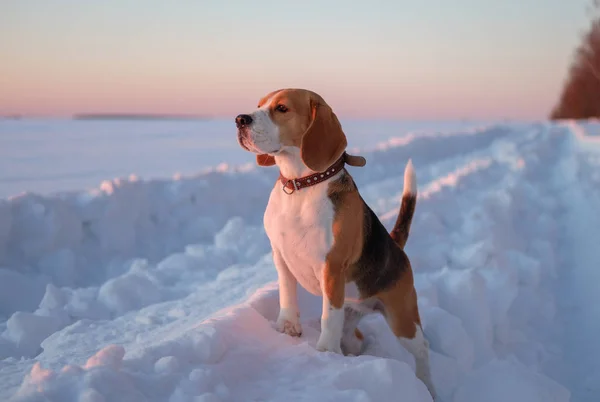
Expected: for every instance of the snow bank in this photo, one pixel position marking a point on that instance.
(142, 284)
(586, 131)
(83, 239)
(195, 323)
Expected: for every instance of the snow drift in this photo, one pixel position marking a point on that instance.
(164, 290)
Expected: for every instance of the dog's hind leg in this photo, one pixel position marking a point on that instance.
(402, 314)
(352, 338)
(419, 348)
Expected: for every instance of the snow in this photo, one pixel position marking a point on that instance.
(47, 156)
(165, 290)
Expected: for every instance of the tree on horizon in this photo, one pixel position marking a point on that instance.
(580, 97)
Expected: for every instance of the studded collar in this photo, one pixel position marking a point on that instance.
(291, 185)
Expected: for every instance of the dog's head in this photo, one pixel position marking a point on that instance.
(290, 118)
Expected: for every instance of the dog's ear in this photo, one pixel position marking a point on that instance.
(265, 160)
(324, 141)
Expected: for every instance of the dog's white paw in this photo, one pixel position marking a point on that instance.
(288, 327)
(328, 343)
(288, 322)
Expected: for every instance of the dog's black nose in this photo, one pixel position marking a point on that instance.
(243, 120)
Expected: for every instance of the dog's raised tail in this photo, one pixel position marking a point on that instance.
(407, 207)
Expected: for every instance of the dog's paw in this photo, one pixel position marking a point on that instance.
(288, 322)
(328, 343)
(288, 327)
(352, 343)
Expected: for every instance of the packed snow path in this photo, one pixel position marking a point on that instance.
(103, 301)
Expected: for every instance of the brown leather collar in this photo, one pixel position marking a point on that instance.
(291, 185)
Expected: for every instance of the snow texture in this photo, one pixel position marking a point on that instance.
(165, 290)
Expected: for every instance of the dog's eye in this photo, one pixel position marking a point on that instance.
(281, 108)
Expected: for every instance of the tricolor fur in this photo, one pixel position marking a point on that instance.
(325, 236)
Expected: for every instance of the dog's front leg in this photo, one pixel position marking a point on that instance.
(332, 318)
(288, 321)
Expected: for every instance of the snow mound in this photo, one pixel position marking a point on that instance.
(194, 321)
(83, 239)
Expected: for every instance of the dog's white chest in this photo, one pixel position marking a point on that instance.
(299, 227)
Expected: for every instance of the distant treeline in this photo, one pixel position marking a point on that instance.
(580, 97)
(125, 116)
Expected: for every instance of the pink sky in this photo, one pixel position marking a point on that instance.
(465, 61)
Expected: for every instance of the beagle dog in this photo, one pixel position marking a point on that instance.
(323, 234)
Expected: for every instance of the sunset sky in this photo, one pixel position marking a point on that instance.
(437, 59)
